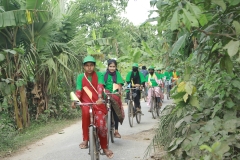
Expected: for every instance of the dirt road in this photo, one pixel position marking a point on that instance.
(64, 145)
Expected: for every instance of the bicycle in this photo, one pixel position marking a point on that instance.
(154, 104)
(110, 119)
(132, 109)
(144, 95)
(167, 86)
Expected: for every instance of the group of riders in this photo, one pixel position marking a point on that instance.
(92, 86)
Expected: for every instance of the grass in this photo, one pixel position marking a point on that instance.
(32, 134)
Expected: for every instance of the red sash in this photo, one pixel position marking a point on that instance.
(85, 98)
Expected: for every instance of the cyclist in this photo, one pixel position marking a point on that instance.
(160, 76)
(168, 76)
(89, 90)
(136, 80)
(113, 84)
(175, 76)
(145, 73)
(153, 81)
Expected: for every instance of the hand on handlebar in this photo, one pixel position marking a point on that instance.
(73, 105)
(99, 101)
(136, 85)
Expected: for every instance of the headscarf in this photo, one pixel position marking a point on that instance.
(113, 74)
(135, 78)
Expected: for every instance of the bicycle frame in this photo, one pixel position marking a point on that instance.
(131, 109)
(94, 147)
(167, 85)
(109, 117)
(154, 103)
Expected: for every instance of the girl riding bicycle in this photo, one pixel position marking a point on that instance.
(89, 90)
(137, 80)
(154, 82)
(113, 84)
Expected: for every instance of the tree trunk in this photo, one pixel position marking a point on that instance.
(16, 111)
(24, 104)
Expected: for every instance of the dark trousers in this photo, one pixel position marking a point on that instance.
(137, 98)
(116, 120)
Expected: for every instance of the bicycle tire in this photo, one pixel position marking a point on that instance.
(109, 126)
(93, 144)
(145, 98)
(112, 135)
(138, 117)
(112, 129)
(130, 113)
(158, 108)
(168, 92)
(153, 107)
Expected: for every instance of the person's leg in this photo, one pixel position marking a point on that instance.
(137, 100)
(149, 98)
(116, 121)
(85, 125)
(160, 95)
(100, 122)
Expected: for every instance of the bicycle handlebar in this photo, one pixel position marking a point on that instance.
(132, 88)
(86, 104)
(111, 93)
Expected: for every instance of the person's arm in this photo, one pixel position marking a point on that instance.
(128, 77)
(142, 80)
(79, 86)
(78, 91)
(120, 82)
(100, 86)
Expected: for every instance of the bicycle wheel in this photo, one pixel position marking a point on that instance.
(144, 97)
(130, 113)
(112, 129)
(112, 135)
(153, 107)
(93, 144)
(109, 126)
(138, 117)
(168, 92)
(158, 108)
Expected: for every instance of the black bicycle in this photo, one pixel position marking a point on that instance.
(110, 119)
(144, 95)
(132, 112)
(167, 88)
(154, 104)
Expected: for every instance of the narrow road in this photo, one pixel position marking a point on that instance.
(131, 146)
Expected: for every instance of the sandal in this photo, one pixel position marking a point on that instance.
(108, 153)
(83, 145)
(117, 135)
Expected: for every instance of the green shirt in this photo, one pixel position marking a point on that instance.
(159, 76)
(176, 73)
(168, 75)
(128, 77)
(80, 77)
(109, 82)
(152, 80)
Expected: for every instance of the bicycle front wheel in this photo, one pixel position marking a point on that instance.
(158, 107)
(109, 125)
(144, 97)
(168, 92)
(153, 107)
(138, 117)
(112, 129)
(93, 144)
(130, 113)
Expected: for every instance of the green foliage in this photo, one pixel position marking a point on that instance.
(204, 42)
